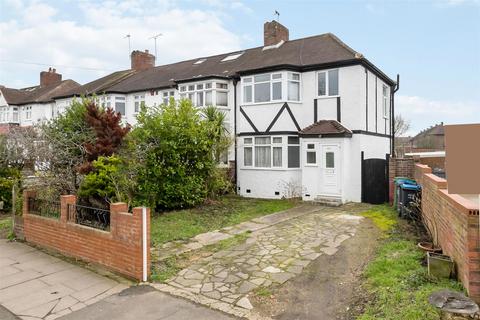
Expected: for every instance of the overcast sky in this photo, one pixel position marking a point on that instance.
(433, 45)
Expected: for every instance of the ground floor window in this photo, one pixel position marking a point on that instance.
(268, 152)
(311, 154)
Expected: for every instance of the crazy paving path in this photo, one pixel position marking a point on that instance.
(271, 255)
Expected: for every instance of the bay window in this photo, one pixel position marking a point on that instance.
(268, 152)
(166, 95)
(270, 87)
(327, 83)
(206, 94)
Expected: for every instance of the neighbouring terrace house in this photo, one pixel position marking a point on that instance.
(27, 106)
(306, 113)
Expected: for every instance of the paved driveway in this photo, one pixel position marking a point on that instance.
(35, 285)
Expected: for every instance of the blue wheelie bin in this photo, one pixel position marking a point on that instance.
(407, 196)
(398, 181)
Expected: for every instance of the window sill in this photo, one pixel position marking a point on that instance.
(270, 169)
(311, 165)
(328, 97)
(270, 102)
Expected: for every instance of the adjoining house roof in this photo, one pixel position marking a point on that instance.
(325, 49)
(326, 128)
(436, 130)
(37, 94)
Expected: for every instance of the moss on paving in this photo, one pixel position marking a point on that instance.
(396, 278)
(226, 211)
(170, 266)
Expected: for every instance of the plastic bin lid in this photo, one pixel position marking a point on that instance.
(400, 180)
(408, 186)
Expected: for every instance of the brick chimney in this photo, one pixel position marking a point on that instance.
(49, 77)
(273, 33)
(142, 60)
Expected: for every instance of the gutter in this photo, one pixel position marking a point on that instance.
(395, 87)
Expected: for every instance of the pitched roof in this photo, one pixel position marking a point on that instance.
(325, 128)
(300, 53)
(436, 130)
(37, 94)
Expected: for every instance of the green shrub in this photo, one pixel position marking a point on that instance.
(8, 177)
(174, 150)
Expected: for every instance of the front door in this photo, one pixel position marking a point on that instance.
(330, 170)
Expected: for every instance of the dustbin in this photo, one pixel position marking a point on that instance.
(396, 195)
(407, 196)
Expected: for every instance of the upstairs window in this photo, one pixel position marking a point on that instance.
(166, 95)
(206, 94)
(327, 83)
(270, 87)
(385, 102)
(293, 86)
(139, 100)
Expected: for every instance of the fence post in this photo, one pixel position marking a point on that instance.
(64, 202)
(27, 194)
(143, 215)
(14, 204)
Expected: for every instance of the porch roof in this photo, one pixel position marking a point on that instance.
(331, 128)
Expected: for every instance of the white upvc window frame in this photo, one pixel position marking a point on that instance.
(327, 83)
(211, 87)
(15, 114)
(385, 102)
(311, 150)
(28, 112)
(166, 95)
(276, 142)
(282, 77)
(121, 99)
(138, 100)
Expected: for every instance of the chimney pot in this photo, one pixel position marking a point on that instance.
(274, 32)
(142, 60)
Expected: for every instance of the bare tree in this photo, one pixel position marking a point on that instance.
(400, 126)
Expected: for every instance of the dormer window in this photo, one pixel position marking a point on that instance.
(200, 61)
(232, 56)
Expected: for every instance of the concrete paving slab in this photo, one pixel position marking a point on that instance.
(35, 285)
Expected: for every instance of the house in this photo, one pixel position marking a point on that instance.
(27, 106)
(432, 139)
(310, 116)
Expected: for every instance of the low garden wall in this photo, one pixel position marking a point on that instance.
(457, 224)
(120, 248)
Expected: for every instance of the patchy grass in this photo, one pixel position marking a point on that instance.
(263, 292)
(5, 226)
(396, 278)
(170, 266)
(383, 216)
(227, 211)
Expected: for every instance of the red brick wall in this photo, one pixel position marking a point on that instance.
(119, 249)
(399, 167)
(457, 224)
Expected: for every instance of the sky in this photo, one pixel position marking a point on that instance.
(434, 45)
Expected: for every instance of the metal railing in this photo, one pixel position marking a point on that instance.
(44, 208)
(89, 216)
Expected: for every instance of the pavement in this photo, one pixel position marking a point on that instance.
(280, 250)
(35, 285)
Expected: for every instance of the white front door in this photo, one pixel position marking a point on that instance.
(330, 170)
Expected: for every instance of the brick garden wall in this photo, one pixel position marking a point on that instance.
(457, 224)
(399, 167)
(119, 249)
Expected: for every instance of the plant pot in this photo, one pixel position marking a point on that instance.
(429, 247)
(439, 265)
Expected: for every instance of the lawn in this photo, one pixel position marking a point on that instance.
(226, 211)
(5, 226)
(396, 279)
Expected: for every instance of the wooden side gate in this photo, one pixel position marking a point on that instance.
(374, 180)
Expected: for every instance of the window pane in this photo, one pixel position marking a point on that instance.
(247, 140)
(277, 140)
(277, 76)
(293, 140)
(222, 99)
(310, 146)
(277, 91)
(199, 86)
(120, 107)
(208, 98)
(191, 88)
(329, 160)
(222, 85)
(262, 77)
(277, 156)
(191, 97)
(247, 94)
(294, 76)
(137, 106)
(165, 94)
(322, 85)
(199, 99)
(247, 156)
(293, 156)
(333, 82)
(293, 91)
(262, 92)
(208, 85)
(263, 156)
(247, 80)
(262, 140)
(311, 157)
